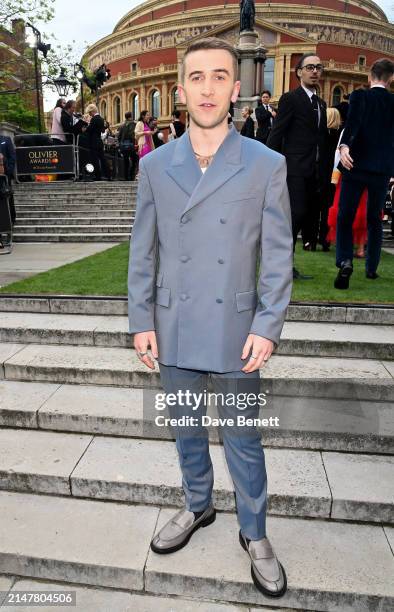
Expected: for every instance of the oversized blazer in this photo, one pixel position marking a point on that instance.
(195, 246)
(297, 134)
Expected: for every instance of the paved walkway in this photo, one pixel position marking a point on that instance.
(28, 259)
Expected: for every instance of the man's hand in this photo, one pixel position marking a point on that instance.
(261, 351)
(346, 160)
(142, 341)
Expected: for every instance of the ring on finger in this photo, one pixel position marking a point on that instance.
(253, 356)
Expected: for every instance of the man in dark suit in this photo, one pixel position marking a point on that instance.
(265, 116)
(7, 149)
(94, 130)
(367, 157)
(300, 133)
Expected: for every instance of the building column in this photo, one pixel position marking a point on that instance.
(278, 75)
(164, 99)
(109, 110)
(326, 91)
(350, 87)
(287, 71)
(124, 104)
(142, 97)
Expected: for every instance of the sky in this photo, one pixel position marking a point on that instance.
(87, 22)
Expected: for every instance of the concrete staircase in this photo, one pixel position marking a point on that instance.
(87, 477)
(74, 212)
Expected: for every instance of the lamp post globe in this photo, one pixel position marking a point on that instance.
(62, 84)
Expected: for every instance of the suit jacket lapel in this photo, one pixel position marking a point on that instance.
(186, 172)
(308, 106)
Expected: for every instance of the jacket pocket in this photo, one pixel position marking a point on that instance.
(246, 300)
(163, 296)
(240, 197)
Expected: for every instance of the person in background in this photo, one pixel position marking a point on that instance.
(248, 125)
(67, 120)
(143, 135)
(300, 133)
(328, 188)
(94, 130)
(7, 150)
(265, 116)
(126, 138)
(176, 127)
(57, 131)
(157, 136)
(367, 158)
(343, 108)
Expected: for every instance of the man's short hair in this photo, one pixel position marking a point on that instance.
(266, 91)
(301, 61)
(176, 113)
(69, 104)
(206, 44)
(382, 69)
(128, 115)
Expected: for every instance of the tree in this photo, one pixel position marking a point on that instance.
(28, 10)
(13, 108)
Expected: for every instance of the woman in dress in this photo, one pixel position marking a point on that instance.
(143, 135)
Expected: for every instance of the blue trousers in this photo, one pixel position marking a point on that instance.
(242, 446)
(351, 190)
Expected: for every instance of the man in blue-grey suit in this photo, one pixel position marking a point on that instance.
(211, 206)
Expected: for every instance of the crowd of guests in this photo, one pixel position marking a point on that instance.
(340, 161)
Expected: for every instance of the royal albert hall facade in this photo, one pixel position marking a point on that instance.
(146, 46)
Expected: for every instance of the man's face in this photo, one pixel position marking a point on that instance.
(72, 109)
(208, 86)
(265, 99)
(310, 78)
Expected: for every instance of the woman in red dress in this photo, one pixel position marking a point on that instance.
(359, 223)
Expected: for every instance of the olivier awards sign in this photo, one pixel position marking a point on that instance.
(50, 159)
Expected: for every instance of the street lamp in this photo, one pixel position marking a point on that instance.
(62, 84)
(80, 73)
(34, 41)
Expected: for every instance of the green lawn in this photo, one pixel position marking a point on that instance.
(106, 274)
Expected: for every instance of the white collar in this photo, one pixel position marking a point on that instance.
(378, 85)
(308, 91)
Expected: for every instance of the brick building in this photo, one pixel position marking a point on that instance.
(147, 44)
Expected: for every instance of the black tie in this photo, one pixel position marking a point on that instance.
(315, 106)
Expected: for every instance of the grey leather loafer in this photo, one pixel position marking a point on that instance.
(177, 532)
(268, 574)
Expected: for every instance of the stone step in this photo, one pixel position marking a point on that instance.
(67, 214)
(67, 222)
(326, 424)
(367, 315)
(342, 340)
(95, 228)
(331, 566)
(74, 206)
(91, 599)
(85, 237)
(301, 483)
(354, 379)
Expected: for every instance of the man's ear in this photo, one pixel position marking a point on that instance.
(181, 93)
(236, 89)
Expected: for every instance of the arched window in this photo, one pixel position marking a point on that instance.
(337, 94)
(362, 61)
(269, 69)
(174, 99)
(117, 110)
(155, 103)
(135, 106)
(103, 112)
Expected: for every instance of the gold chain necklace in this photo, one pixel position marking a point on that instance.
(203, 160)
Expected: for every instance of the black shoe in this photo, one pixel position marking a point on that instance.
(345, 272)
(325, 246)
(372, 275)
(298, 276)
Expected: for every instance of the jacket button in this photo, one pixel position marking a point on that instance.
(184, 258)
(219, 301)
(183, 297)
(222, 220)
(221, 261)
